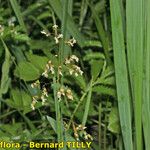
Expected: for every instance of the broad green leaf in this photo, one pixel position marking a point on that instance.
(41, 44)
(26, 100)
(20, 100)
(5, 79)
(35, 59)
(17, 98)
(27, 71)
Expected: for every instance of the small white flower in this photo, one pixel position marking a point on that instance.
(78, 69)
(69, 94)
(45, 74)
(60, 70)
(35, 84)
(74, 57)
(81, 127)
(34, 98)
(55, 26)
(71, 42)
(56, 40)
(62, 91)
(60, 36)
(67, 61)
(34, 101)
(45, 92)
(45, 33)
(81, 72)
(43, 99)
(32, 107)
(52, 70)
(71, 71)
(59, 95)
(76, 74)
(32, 85)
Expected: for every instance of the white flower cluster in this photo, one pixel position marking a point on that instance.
(45, 33)
(81, 128)
(64, 92)
(58, 36)
(43, 95)
(48, 69)
(71, 42)
(35, 84)
(69, 63)
(73, 69)
(34, 101)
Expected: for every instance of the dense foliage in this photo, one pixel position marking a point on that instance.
(57, 73)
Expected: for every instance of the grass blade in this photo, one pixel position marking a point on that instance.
(134, 14)
(146, 83)
(102, 34)
(121, 74)
(17, 11)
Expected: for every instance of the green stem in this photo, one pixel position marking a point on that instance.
(99, 125)
(64, 30)
(57, 109)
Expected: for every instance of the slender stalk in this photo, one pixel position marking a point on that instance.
(57, 109)
(99, 125)
(63, 30)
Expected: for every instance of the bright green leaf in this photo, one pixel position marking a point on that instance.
(27, 71)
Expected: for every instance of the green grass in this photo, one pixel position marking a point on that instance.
(146, 81)
(135, 56)
(121, 73)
